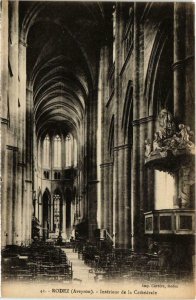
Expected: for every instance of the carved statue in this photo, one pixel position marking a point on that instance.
(157, 142)
(187, 176)
(184, 136)
(147, 148)
(184, 132)
(166, 123)
(174, 142)
(168, 139)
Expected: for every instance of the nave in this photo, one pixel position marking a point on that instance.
(98, 142)
(86, 263)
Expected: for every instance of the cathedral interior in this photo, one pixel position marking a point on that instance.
(97, 133)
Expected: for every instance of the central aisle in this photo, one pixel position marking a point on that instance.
(80, 270)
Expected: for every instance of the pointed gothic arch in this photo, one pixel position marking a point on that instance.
(38, 203)
(127, 110)
(68, 197)
(111, 136)
(57, 211)
(158, 80)
(46, 213)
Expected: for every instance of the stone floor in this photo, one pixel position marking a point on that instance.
(80, 270)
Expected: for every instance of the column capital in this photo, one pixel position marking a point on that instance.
(121, 147)
(4, 121)
(23, 43)
(10, 147)
(29, 89)
(182, 62)
(106, 165)
(28, 180)
(93, 182)
(22, 164)
(143, 120)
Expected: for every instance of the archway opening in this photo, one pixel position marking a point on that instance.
(46, 215)
(58, 216)
(68, 212)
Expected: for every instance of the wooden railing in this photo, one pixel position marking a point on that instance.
(170, 221)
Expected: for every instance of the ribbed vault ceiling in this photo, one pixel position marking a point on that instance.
(64, 41)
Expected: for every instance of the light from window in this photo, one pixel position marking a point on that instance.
(57, 211)
(57, 151)
(68, 150)
(46, 152)
(75, 153)
(164, 190)
(114, 34)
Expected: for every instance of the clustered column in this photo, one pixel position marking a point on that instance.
(4, 119)
(183, 66)
(16, 171)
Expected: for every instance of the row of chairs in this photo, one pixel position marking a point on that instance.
(122, 263)
(41, 262)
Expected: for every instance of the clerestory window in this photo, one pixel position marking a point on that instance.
(46, 152)
(57, 151)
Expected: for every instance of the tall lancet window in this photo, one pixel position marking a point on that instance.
(68, 150)
(46, 152)
(57, 152)
(75, 153)
(114, 33)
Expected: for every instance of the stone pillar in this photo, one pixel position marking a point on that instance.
(110, 200)
(71, 217)
(117, 217)
(41, 216)
(121, 193)
(52, 214)
(4, 119)
(13, 105)
(127, 195)
(189, 70)
(179, 56)
(102, 97)
(120, 234)
(150, 173)
(9, 195)
(4, 212)
(115, 199)
(135, 156)
(123, 215)
(102, 204)
(11, 232)
(36, 166)
(37, 208)
(4, 61)
(92, 163)
(92, 207)
(20, 210)
(142, 186)
(106, 198)
(106, 212)
(13, 68)
(64, 233)
(29, 154)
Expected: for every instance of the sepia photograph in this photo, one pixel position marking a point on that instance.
(97, 149)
